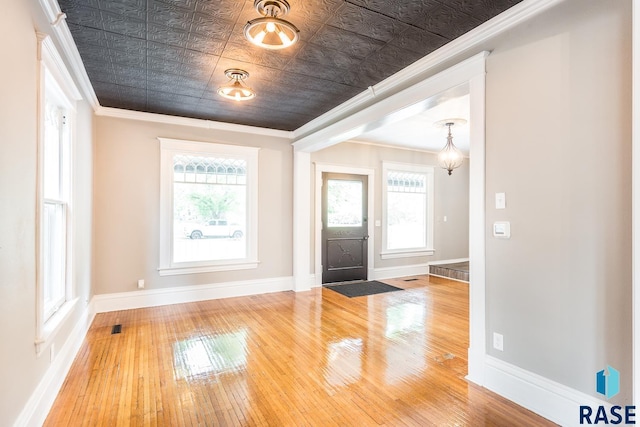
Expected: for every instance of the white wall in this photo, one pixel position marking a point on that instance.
(558, 140)
(127, 203)
(20, 369)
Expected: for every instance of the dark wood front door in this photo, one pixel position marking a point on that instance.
(344, 227)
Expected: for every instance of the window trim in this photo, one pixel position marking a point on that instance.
(54, 80)
(169, 147)
(427, 250)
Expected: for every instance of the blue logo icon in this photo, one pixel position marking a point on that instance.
(608, 383)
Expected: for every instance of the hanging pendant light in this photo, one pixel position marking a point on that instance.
(450, 157)
(271, 32)
(235, 89)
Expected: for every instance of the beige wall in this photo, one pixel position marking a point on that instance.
(558, 140)
(20, 369)
(451, 238)
(127, 200)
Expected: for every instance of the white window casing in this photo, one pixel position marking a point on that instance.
(57, 97)
(209, 154)
(408, 179)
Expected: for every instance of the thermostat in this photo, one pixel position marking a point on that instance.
(502, 229)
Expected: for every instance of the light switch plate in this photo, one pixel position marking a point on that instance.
(501, 201)
(502, 229)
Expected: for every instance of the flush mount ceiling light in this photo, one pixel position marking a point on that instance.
(450, 157)
(271, 32)
(235, 89)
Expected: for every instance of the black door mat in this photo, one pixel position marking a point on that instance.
(360, 289)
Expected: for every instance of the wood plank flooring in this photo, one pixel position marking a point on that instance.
(309, 359)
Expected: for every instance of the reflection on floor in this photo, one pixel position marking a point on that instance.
(312, 358)
(457, 271)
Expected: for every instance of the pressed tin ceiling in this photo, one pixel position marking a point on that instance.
(170, 56)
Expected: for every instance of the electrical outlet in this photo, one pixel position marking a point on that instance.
(141, 284)
(498, 341)
(52, 352)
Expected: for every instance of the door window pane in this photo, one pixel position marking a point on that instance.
(344, 203)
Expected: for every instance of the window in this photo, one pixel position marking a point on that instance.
(408, 210)
(57, 95)
(208, 207)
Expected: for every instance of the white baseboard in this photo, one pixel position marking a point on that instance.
(182, 294)
(400, 271)
(551, 400)
(39, 404)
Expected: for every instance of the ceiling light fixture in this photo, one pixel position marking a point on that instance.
(235, 89)
(450, 157)
(271, 32)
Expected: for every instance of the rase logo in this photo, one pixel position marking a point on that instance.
(608, 384)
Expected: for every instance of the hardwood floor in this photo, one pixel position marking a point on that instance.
(315, 358)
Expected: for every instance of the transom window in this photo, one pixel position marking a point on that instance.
(408, 210)
(209, 207)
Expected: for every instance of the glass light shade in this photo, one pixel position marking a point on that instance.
(235, 89)
(450, 157)
(271, 33)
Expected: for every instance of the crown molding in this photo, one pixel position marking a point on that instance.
(422, 68)
(186, 121)
(62, 35)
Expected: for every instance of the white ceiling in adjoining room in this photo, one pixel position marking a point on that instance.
(419, 131)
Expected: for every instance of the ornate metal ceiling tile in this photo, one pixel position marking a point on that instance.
(86, 36)
(246, 52)
(373, 72)
(114, 23)
(170, 36)
(135, 105)
(165, 51)
(131, 80)
(164, 66)
(165, 97)
(319, 10)
(228, 10)
(194, 58)
(420, 41)
(82, 15)
(205, 45)
(64, 4)
(394, 56)
(131, 59)
(325, 56)
(365, 22)
(210, 26)
(125, 43)
(183, 4)
(345, 41)
(445, 21)
(169, 55)
(170, 15)
(482, 9)
(133, 93)
(314, 70)
(132, 9)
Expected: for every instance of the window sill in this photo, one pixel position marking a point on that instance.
(53, 325)
(407, 253)
(173, 271)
